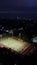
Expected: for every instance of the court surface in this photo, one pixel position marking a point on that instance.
(16, 45)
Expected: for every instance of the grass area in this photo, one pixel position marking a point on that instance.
(14, 44)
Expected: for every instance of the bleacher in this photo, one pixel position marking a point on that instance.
(11, 58)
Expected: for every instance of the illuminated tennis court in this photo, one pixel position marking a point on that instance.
(14, 44)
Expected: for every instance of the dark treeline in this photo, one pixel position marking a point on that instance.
(29, 26)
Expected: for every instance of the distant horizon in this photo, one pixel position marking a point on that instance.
(28, 12)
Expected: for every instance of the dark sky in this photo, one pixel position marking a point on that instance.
(17, 3)
(18, 6)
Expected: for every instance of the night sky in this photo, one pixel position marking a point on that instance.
(18, 2)
(18, 6)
